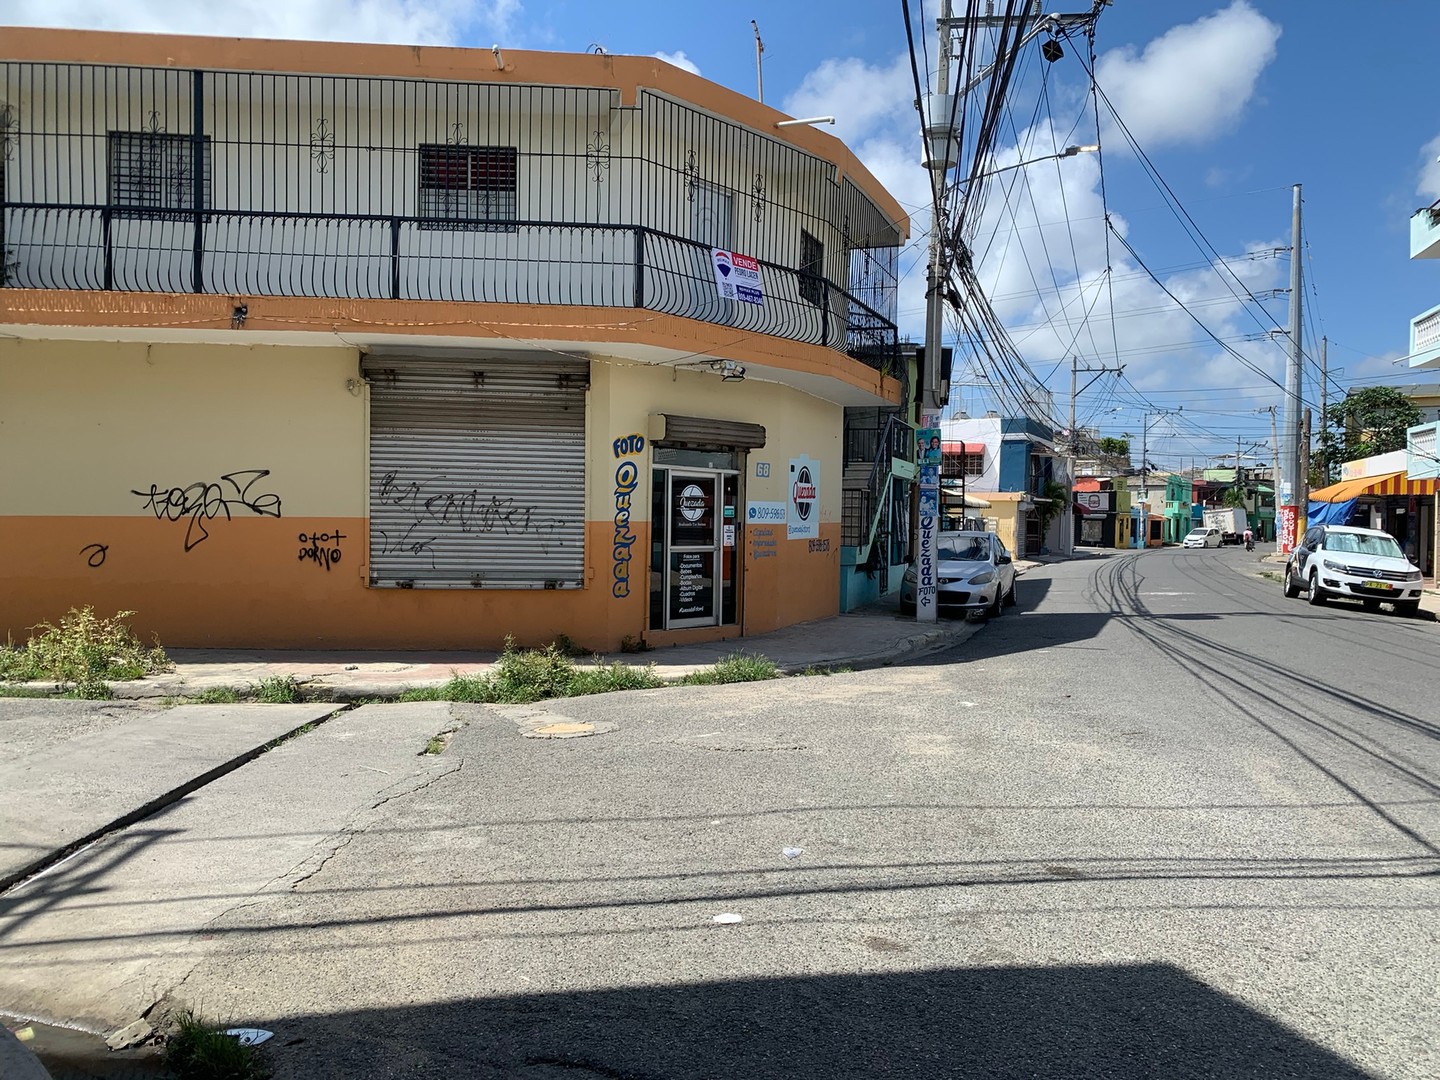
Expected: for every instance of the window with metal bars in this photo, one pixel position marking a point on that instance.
(468, 187)
(812, 268)
(151, 174)
(962, 464)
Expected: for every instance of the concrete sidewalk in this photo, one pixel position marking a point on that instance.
(867, 637)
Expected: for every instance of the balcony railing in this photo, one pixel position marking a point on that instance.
(266, 184)
(346, 256)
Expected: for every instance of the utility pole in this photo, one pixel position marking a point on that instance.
(1074, 440)
(1324, 400)
(1304, 492)
(941, 155)
(759, 75)
(1289, 487)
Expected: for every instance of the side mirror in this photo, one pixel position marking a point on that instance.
(1002, 560)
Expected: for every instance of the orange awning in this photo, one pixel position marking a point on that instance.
(1396, 483)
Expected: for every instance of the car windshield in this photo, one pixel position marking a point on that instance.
(1199, 532)
(965, 550)
(1361, 544)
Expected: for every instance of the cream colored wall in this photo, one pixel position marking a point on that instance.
(624, 395)
(98, 421)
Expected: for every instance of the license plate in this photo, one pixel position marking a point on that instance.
(1383, 586)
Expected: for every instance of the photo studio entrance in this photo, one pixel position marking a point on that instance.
(694, 526)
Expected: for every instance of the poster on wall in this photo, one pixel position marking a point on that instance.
(1289, 516)
(928, 446)
(803, 517)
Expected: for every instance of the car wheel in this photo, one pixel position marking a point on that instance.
(1291, 589)
(1407, 608)
(907, 607)
(1316, 594)
(1010, 596)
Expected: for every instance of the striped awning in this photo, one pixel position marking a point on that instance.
(1396, 483)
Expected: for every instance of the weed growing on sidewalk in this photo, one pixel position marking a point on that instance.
(735, 668)
(83, 651)
(277, 690)
(216, 695)
(22, 692)
(195, 1050)
(522, 676)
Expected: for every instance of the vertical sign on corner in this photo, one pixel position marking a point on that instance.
(928, 455)
(802, 521)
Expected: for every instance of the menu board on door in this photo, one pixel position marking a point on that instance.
(692, 585)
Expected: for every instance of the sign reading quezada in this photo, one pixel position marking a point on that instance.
(803, 517)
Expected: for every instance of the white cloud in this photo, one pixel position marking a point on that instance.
(678, 59)
(1040, 243)
(1192, 82)
(1429, 183)
(863, 98)
(417, 22)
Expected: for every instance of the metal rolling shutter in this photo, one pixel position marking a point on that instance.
(703, 431)
(477, 472)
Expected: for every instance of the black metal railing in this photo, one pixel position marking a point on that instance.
(258, 183)
(255, 253)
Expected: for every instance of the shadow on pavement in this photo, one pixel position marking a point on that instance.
(1117, 1021)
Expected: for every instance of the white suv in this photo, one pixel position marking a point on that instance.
(1363, 564)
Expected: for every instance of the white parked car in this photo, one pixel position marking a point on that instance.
(974, 573)
(1362, 564)
(1202, 538)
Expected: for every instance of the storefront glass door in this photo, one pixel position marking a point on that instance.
(695, 549)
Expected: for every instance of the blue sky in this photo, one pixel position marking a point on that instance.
(1233, 102)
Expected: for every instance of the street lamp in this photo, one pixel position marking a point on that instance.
(1069, 151)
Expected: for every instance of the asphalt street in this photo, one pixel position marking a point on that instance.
(1157, 821)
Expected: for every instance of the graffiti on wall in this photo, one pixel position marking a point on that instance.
(471, 511)
(96, 556)
(323, 549)
(205, 501)
(627, 478)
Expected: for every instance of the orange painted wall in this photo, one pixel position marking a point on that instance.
(96, 422)
(247, 585)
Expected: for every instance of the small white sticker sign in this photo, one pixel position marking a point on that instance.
(729, 535)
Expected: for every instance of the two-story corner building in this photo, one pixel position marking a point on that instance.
(374, 346)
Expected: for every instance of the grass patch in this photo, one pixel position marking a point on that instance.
(1272, 575)
(522, 676)
(606, 678)
(813, 670)
(83, 652)
(89, 690)
(195, 1050)
(216, 695)
(277, 690)
(436, 745)
(736, 668)
(22, 692)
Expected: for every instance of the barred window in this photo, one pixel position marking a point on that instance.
(473, 186)
(151, 173)
(812, 268)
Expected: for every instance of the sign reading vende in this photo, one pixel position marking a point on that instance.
(737, 277)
